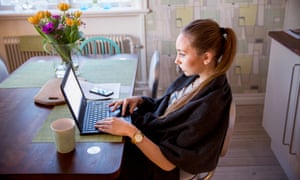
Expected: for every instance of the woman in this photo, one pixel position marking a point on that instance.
(185, 128)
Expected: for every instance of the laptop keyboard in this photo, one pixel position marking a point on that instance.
(96, 111)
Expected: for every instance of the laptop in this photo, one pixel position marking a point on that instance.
(84, 111)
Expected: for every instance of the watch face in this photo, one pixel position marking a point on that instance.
(138, 137)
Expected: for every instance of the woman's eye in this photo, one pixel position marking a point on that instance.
(180, 54)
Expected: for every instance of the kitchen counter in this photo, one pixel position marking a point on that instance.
(286, 40)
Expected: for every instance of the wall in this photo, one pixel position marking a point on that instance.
(250, 19)
(292, 14)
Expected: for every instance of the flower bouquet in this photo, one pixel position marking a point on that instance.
(61, 32)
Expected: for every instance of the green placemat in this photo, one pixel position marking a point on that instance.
(45, 134)
(32, 74)
(109, 71)
(37, 73)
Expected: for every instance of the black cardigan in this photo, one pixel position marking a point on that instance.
(191, 137)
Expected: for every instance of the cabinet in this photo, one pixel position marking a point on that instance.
(281, 117)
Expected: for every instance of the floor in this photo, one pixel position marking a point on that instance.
(249, 156)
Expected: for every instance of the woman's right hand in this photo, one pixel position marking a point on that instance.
(131, 102)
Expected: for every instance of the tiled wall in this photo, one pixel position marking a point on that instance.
(250, 19)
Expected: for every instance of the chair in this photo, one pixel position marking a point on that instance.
(99, 45)
(151, 87)
(3, 71)
(207, 176)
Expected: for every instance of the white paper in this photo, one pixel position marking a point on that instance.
(293, 34)
(86, 86)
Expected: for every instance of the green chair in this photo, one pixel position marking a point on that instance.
(99, 45)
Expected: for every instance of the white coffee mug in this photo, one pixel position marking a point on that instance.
(64, 132)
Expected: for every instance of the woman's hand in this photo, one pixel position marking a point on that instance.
(131, 102)
(120, 127)
(116, 126)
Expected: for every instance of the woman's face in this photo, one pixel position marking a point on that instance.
(187, 58)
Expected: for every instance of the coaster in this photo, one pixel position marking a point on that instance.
(50, 94)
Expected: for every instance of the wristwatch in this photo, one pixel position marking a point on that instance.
(137, 137)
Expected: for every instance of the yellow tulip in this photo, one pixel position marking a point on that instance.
(77, 14)
(47, 13)
(33, 20)
(78, 22)
(69, 22)
(63, 6)
(43, 14)
(39, 14)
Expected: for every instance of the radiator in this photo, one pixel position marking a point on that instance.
(16, 55)
(125, 42)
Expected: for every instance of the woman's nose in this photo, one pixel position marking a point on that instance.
(177, 61)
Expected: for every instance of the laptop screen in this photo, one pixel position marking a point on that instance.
(73, 93)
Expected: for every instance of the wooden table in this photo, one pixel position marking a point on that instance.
(21, 119)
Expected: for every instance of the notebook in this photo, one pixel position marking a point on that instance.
(85, 112)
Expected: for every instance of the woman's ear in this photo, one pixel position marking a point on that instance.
(207, 58)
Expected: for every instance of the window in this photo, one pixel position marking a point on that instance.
(76, 4)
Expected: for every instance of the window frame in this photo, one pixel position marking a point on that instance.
(83, 5)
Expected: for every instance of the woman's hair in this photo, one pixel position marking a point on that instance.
(206, 35)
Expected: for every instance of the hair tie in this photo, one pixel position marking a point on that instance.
(223, 30)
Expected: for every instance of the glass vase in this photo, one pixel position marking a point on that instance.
(68, 55)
